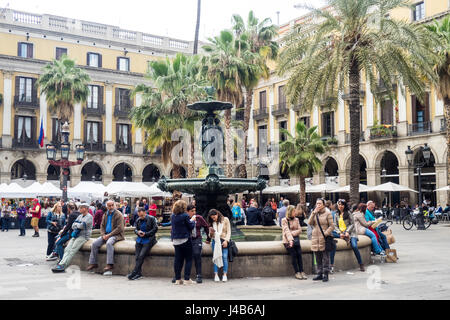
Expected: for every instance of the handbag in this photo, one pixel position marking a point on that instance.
(54, 229)
(296, 239)
(330, 243)
(391, 255)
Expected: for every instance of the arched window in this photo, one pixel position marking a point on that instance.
(122, 172)
(91, 172)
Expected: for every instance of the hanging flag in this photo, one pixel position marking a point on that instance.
(41, 134)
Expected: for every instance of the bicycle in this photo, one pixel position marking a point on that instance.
(411, 220)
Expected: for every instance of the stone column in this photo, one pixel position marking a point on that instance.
(315, 121)
(109, 118)
(372, 179)
(41, 177)
(77, 125)
(341, 123)
(402, 125)
(43, 115)
(439, 114)
(406, 178)
(138, 147)
(5, 177)
(74, 179)
(441, 181)
(292, 121)
(137, 178)
(7, 132)
(107, 179)
(343, 178)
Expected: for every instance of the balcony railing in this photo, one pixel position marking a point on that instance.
(94, 146)
(297, 107)
(348, 139)
(99, 111)
(259, 114)
(25, 143)
(362, 92)
(122, 111)
(28, 102)
(331, 140)
(280, 109)
(124, 148)
(150, 153)
(383, 132)
(419, 128)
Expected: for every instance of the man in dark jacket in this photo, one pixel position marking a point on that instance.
(112, 229)
(253, 215)
(146, 228)
(268, 215)
(64, 234)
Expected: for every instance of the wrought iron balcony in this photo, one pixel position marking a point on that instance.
(25, 143)
(124, 148)
(280, 109)
(383, 132)
(348, 139)
(260, 114)
(99, 111)
(419, 128)
(122, 111)
(94, 146)
(26, 102)
(147, 152)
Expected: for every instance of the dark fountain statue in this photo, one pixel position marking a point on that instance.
(212, 191)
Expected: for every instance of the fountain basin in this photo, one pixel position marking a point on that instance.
(255, 258)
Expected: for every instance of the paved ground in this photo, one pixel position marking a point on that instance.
(421, 273)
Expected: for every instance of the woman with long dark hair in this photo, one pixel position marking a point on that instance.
(182, 226)
(220, 232)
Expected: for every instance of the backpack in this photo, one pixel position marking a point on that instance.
(236, 212)
(267, 215)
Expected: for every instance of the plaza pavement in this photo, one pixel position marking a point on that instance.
(422, 272)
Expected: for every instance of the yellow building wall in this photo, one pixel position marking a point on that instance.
(432, 7)
(45, 49)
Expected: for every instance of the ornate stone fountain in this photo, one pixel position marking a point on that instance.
(212, 191)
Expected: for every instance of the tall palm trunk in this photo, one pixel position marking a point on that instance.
(447, 119)
(247, 109)
(197, 26)
(228, 145)
(302, 191)
(355, 131)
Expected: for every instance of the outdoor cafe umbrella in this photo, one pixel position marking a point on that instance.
(391, 187)
(346, 189)
(275, 189)
(447, 188)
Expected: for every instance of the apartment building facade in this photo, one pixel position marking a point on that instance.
(387, 129)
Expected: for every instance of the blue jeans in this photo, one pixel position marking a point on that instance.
(224, 259)
(59, 245)
(5, 224)
(354, 244)
(375, 246)
(383, 240)
(333, 253)
(22, 226)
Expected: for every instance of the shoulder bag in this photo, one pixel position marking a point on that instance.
(296, 239)
(330, 243)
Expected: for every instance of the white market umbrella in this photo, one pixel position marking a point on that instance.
(447, 188)
(128, 189)
(13, 190)
(346, 189)
(275, 189)
(391, 187)
(157, 192)
(49, 190)
(32, 190)
(87, 190)
(324, 187)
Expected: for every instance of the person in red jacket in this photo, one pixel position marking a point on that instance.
(35, 211)
(152, 209)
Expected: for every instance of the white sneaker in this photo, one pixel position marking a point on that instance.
(216, 278)
(224, 278)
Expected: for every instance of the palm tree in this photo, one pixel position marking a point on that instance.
(298, 155)
(64, 85)
(354, 37)
(164, 107)
(223, 67)
(197, 26)
(442, 30)
(256, 46)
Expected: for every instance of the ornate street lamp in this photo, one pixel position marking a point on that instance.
(64, 162)
(426, 153)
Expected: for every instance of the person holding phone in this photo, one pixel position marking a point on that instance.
(321, 215)
(220, 232)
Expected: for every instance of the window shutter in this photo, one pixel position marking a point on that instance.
(29, 50)
(129, 136)
(322, 124)
(34, 90)
(87, 58)
(117, 102)
(414, 109)
(53, 130)
(100, 97)
(17, 88)
(16, 128)
(117, 133)
(85, 132)
(19, 47)
(332, 124)
(100, 133)
(128, 65)
(118, 63)
(33, 129)
(99, 60)
(427, 107)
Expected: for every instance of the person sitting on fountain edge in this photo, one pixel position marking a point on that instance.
(146, 228)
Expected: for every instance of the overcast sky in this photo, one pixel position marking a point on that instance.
(173, 18)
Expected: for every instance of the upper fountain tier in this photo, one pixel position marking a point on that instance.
(210, 106)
